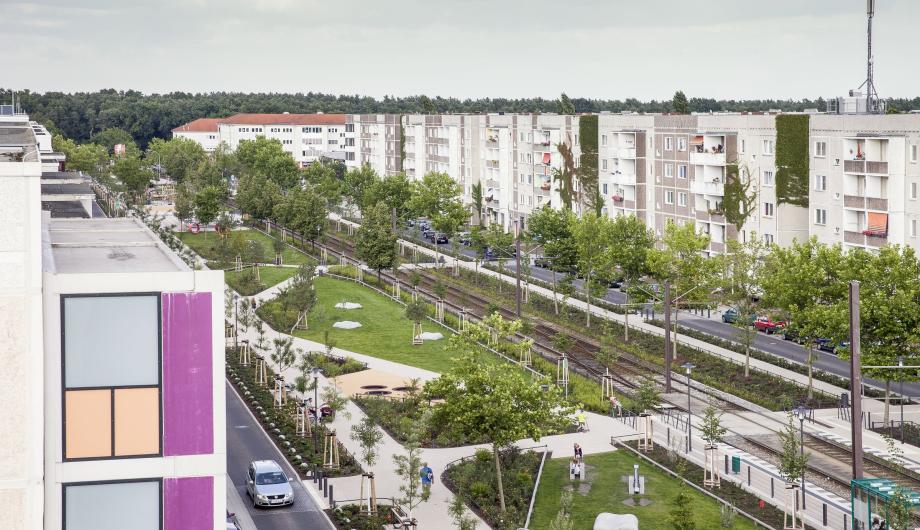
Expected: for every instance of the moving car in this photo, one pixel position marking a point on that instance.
(267, 484)
(731, 315)
(768, 325)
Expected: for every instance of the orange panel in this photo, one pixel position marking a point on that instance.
(137, 421)
(88, 424)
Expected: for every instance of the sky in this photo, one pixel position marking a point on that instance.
(609, 49)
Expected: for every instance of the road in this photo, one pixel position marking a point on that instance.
(246, 441)
(826, 362)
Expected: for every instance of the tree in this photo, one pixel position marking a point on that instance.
(301, 295)
(563, 519)
(417, 312)
(476, 194)
(437, 196)
(393, 190)
(565, 176)
(427, 105)
(497, 403)
(185, 204)
(457, 512)
(322, 176)
(629, 254)
(284, 356)
(179, 157)
(792, 461)
(368, 436)
(408, 465)
(375, 243)
(257, 195)
(679, 103)
(592, 235)
(647, 397)
(552, 229)
(113, 136)
(565, 104)
(681, 514)
(356, 185)
(304, 211)
(712, 429)
(208, 205)
(744, 269)
(268, 158)
(134, 176)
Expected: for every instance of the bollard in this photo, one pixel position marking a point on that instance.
(331, 501)
(325, 487)
(315, 477)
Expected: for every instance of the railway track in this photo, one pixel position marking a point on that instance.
(631, 370)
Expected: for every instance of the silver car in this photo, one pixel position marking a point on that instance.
(267, 484)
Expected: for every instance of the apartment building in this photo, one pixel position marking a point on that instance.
(205, 131)
(511, 156)
(374, 140)
(113, 399)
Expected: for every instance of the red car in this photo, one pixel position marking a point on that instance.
(768, 325)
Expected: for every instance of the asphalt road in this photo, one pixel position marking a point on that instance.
(826, 362)
(246, 441)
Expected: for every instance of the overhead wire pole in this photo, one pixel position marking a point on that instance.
(667, 336)
(855, 383)
(517, 267)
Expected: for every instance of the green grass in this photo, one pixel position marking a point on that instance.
(607, 493)
(385, 331)
(269, 277)
(203, 243)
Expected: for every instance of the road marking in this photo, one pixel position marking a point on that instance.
(241, 426)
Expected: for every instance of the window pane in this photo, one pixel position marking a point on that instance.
(88, 423)
(137, 421)
(111, 341)
(115, 506)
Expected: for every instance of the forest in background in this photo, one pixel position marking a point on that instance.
(81, 115)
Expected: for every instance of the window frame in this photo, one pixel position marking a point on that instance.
(772, 209)
(681, 143)
(671, 202)
(763, 178)
(112, 388)
(913, 191)
(65, 485)
(682, 168)
(668, 143)
(772, 144)
(820, 183)
(820, 216)
(821, 153)
(913, 153)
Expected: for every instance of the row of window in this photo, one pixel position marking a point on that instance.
(281, 129)
(250, 129)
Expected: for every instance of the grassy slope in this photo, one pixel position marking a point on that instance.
(385, 331)
(269, 276)
(607, 493)
(202, 243)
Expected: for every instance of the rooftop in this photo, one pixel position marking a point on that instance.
(124, 245)
(50, 191)
(199, 125)
(285, 119)
(62, 177)
(17, 143)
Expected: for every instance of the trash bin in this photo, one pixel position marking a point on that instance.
(736, 464)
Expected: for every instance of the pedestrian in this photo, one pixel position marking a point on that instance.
(615, 407)
(577, 471)
(427, 475)
(579, 453)
(582, 420)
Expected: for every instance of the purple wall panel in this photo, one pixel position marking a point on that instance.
(188, 386)
(188, 503)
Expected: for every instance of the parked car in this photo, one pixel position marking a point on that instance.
(768, 325)
(464, 238)
(542, 262)
(791, 333)
(731, 315)
(268, 485)
(615, 284)
(440, 239)
(427, 233)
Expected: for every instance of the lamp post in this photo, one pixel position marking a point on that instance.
(800, 413)
(316, 412)
(689, 368)
(901, 376)
(236, 320)
(517, 267)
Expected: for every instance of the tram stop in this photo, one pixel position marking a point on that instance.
(881, 503)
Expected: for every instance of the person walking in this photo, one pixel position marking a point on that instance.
(582, 417)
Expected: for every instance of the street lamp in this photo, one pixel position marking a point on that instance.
(688, 366)
(316, 412)
(901, 376)
(800, 412)
(236, 320)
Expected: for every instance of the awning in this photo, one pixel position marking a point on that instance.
(878, 223)
(547, 158)
(696, 140)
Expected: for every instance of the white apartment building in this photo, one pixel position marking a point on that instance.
(512, 156)
(205, 131)
(374, 140)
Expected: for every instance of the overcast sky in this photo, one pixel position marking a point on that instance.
(729, 49)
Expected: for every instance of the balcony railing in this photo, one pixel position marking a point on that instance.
(703, 187)
(865, 166)
(626, 152)
(862, 238)
(865, 203)
(623, 179)
(707, 158)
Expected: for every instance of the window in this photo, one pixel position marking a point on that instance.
(669, 197)
(605, 188)
(667, 143)
(913, 190)
(820, 216)
(682, 171)
(349, 128)
(768, 147)
(111, 394)
(913, 228)
(287, 142)
(681, 198)
(681, 143)
(768, 209)
(109, 505)
(603, 139)
(820, 182)
(743, 146)
(821, 149)
(604, 164)
(669, 170)
(275, 129)
(768, 239)
(913, 153)
(257, 129)
(767, 178)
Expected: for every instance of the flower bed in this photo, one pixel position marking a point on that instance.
(348, 517)
(474, 481)
(279, 422)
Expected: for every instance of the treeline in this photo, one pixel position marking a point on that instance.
(81, 115)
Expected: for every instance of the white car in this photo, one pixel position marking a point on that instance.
(267, 484)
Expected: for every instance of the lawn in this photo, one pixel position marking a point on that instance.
(604, 491)
(204, 244)
(385, 331)
(244, 282)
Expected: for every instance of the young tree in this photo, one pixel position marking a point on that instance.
(565, 176)
(301, 295)
(681, 515)
(563, 519)
(648, 397)
(476, 194)
(356, 185)
(375, 243)
(679, 103)
(408, 465)
(134, 176)
(417, 312)
(629, 254)
(712, 428)
(368, 436)
(742, 286)
(592, 235)
(457, 512)
(208, 205)
(497, 403)
(552, 229)
(185, 204)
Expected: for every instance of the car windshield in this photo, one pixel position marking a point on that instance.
(274, 477)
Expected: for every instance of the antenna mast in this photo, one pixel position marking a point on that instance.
(872, 101)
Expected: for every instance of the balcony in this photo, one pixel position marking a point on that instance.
(860, 238)
(623, 179)
(626, 152)
(865, 166)
(707, 158)
(865, 203)
(703, 187)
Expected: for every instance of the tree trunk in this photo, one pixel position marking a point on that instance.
(588, 296)
(555, 301)
(811, 364)
(498, 475)
(626, 319)
(885, 418)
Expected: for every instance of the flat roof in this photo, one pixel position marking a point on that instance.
(65, 209)
(62, 177)
(123, 245)
(17, 143)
